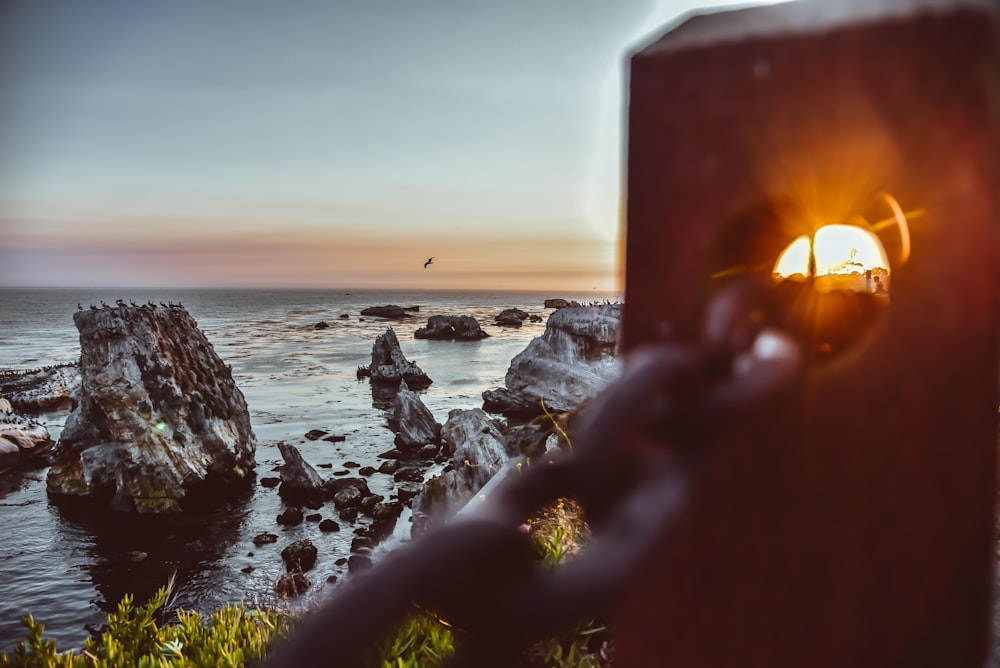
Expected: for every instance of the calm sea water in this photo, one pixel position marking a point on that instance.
(68, 567)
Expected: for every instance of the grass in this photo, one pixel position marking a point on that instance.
(240, 635)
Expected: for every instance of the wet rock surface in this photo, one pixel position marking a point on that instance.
(158, 413)
(451, 328)
(391, 311)
(21, 438)
(42, 389)
(572, 361)
(389, 367)
(511, 317)
(412, 421)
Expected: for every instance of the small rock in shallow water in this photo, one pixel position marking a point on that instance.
(247, 569)
(366, 470)
(351, 465)
(264, 538)
(335, 438)
(329, 525)
(291, 517)
(270, 482)
(358, 563)
(348, 514)
(341, 561)
(313, 517)
(299, 556)
(314, 434)
(292, 585)
(324, 466)
(389, 467)
(331, 579)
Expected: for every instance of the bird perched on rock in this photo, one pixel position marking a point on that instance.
(78, 307)
(120, 302)
(430, 261)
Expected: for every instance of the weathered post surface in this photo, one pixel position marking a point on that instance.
(854, 527)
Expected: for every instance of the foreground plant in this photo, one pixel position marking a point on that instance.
(233, 636)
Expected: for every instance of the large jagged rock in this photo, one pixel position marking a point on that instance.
(389, 367)
(572, 361)
(299, 480)
(39, 390)
(412, 421)
(451, 328)
(477, 452)
(159, 413)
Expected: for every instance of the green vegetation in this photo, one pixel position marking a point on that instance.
(238, 635)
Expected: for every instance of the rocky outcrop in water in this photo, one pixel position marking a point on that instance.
(477, 452)
(389, 367)
(451, 328)
(159, 413)
(20, 437)
(571, 362)
(412, 421)
(390, 311)
(511, 317)
(39, 390)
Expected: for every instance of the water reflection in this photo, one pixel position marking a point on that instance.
(138, 554)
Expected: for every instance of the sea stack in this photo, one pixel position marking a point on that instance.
(159, 413)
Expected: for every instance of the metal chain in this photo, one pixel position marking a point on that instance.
(635, 459)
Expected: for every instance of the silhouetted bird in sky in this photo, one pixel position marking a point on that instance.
(430, 261)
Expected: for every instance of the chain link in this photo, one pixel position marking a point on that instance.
(636, 453)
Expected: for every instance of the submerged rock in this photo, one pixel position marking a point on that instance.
(478, 451)
(451, 328)
(389, 367)
(412, 421)
(38, 390)
(572, 361)
(159, 413)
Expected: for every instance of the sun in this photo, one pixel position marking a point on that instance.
(838, 250)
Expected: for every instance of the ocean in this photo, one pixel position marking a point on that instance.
(68, 568)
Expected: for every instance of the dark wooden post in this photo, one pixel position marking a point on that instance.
(854, 527)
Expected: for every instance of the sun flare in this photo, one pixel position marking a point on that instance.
(838, 250)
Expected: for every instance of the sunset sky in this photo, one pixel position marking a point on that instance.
(323, 144)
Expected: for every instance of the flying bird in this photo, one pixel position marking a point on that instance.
(430, 261)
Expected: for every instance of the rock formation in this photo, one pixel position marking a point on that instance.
(477, 452)
(389, 367)
(38, 390)
(159, 413)
(20, 437)
(299, 480)
(572, 361)
(451, 328)
(511, 317)
(412, 421)
(389, 311)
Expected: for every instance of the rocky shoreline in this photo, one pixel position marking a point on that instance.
(168, 373)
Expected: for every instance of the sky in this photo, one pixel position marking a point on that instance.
(335, 144)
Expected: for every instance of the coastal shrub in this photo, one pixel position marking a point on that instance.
(233, 636)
